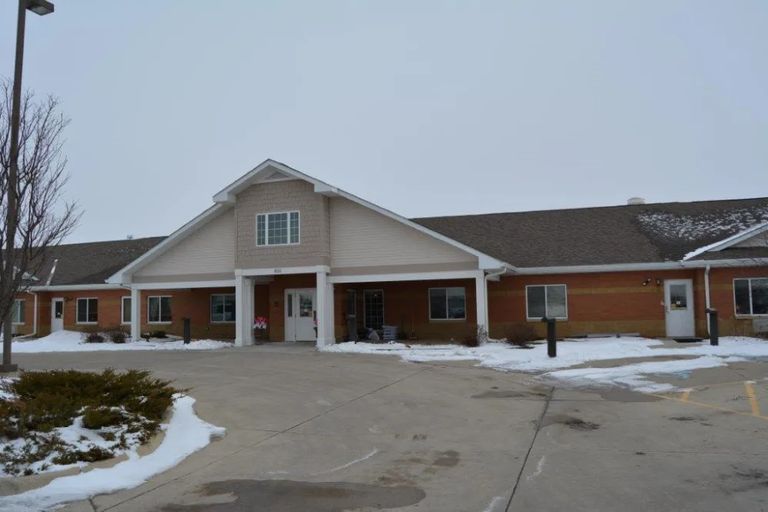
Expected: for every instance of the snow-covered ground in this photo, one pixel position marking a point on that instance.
(185, 434)
(71, 341)
(501, 356)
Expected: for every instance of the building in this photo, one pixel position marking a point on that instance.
(322, 264)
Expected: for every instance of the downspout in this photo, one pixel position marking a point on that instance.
(706, 294)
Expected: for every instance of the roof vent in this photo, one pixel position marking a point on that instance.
(635, 200)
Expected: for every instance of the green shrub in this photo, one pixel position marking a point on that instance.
(110, 403)
(159, 334)
(521, 334)
(116, 335)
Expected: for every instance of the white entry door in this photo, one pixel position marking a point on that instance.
(57, 314)
(300, 315)
(678, 302)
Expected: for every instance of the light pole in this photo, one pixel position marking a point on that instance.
(41, 7)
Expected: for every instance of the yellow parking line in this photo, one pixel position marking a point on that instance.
(710, 406)
(685, 394)
(749, 386)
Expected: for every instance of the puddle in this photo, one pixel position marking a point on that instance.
(298, 496)
(447, 459)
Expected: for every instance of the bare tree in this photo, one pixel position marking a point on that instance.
(40, 218)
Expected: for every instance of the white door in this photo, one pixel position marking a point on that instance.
(678, 302)
(300, 315)
(57, 315)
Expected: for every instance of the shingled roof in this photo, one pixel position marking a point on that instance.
(645, 233)
(91, 262)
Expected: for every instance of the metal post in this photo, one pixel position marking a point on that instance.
(551, 336)
(187, 330)
(714, 327)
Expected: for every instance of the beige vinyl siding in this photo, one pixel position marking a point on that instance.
(760, 240)
(282, 196)
(361, 237)
(208, 250)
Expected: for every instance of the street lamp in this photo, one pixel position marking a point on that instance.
(41, 7)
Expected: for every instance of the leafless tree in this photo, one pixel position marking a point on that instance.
(42, 218)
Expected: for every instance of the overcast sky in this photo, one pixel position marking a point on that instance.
(426, 108)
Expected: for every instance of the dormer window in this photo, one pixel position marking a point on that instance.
(280, 228)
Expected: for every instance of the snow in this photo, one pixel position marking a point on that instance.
(501, 356)
(185, 434)
(701, 250)
(703, 226)
(71, 341)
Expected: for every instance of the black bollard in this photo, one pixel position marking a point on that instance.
(187, 331)
(551, 336)
(714, 327)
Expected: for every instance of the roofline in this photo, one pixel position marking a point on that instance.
(74, 287)
(729, 241)
(522, 212)
(119, 277)
(629, 267)
(227, 195)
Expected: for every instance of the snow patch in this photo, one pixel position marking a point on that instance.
(672, 226)
(185, 434)
(71, 341)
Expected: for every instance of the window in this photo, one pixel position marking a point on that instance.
(18, 311)
(125, 310)
(373, 306)
(223, 308)
(277, 228)
(546, 301)
(87, 311)
(750, 296)
(159, 310)
(447, 304)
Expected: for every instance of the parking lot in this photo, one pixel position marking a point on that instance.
(333, 432)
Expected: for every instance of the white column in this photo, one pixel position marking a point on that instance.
(244, 314)
(135, 313)
(321, 312)
(481, 298)
(330, 332)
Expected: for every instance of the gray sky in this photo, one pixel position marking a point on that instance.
(426, 108)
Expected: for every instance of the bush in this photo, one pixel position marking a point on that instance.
(521, 335)
(116, 335)
(158, 334)
(471, 341)
(94, 337)
(124, 408)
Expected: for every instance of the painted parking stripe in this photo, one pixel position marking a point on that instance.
(749, 386)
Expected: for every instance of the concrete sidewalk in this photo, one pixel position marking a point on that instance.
(333, 432)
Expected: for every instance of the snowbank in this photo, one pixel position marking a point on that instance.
(71, 341)
(185, 434)
(501, 356)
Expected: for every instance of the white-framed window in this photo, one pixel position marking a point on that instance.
(750, 296)
(279, 228)
(125, 309)
(447, 303)
(18, 312)
(222, 308)
(548, 300)
(159, 309)
(373, 309)
(87, 310)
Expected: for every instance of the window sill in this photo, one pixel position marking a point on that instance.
(87, 323)
(447, 320)
(748, 317)
(538, 319)
(160, 323)
(230, 322)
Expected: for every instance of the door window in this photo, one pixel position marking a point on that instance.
(374, 308)
(58, 309)
(678, 297)
(305, 305)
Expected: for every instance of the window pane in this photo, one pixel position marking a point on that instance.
(93, 310)
(536, 308)
(165, 309)
(217, 309)
(126, 310)
(154, 309)
(294, 227)
(741, 296)
(373, 306)
(760, 296)
(456, 303)
(261, 230)
(437, 304)
(18, 311)
(229, 308)
(305, 305)
(556, 301)
(678, 296)
(82, 313)
(277, 232)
